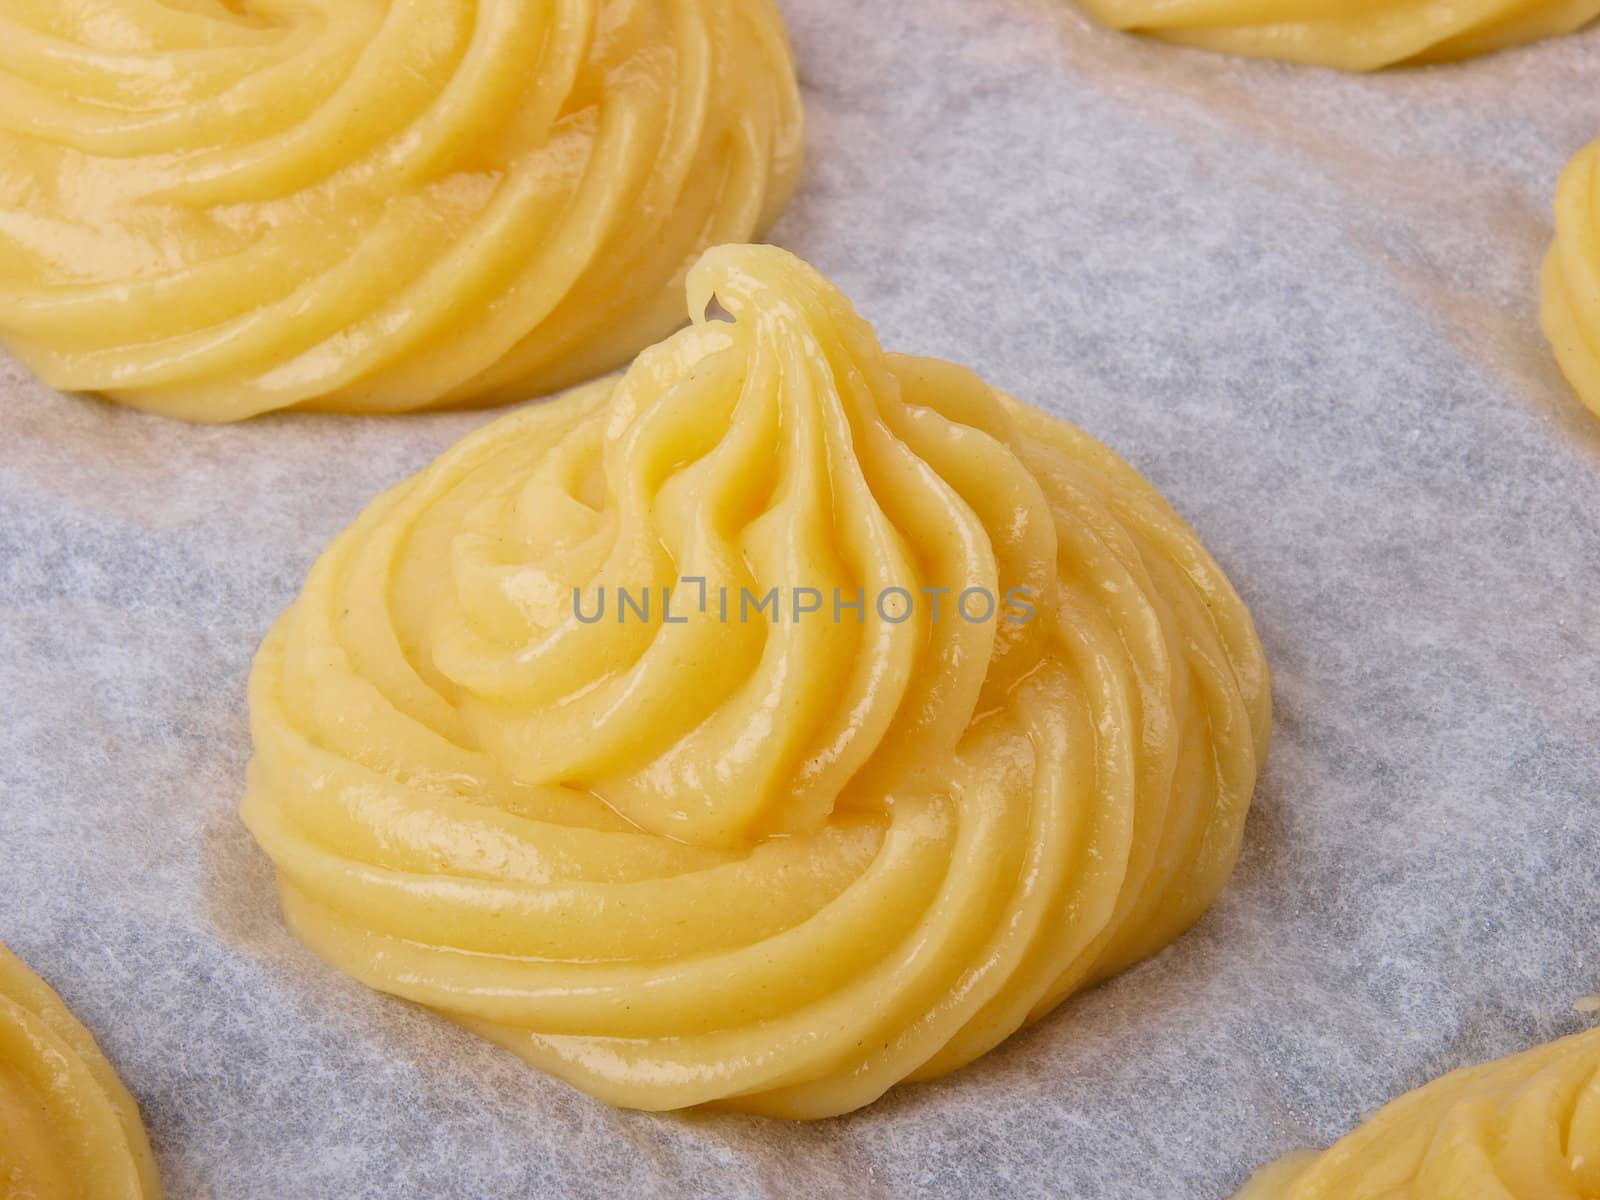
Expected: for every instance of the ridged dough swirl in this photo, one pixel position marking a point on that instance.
(69, 1130)
(778, 865)
(1570, 282)
(1354, 35)
(216, 208)
(1520, 1128)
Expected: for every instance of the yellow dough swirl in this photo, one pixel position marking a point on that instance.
(68, 1128)
(781, 862)
(216, 208)
(1521, 1128)
(1353, 35)
(1570, 281)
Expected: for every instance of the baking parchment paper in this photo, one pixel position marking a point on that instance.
(1303, 303)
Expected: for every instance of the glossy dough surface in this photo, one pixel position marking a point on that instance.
(68, 1128)
(1570, 281)
(215, 208)
(779, 865)
(1520, 1128)
(1354, 35)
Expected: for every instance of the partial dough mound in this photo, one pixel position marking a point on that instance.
(1570, 283)
(936, 714)
(1360, 36)
(68, 1128)
(216, 208)
(1521, 1128)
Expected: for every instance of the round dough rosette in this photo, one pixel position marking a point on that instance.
(1520, 1128)
(69, 1130)
(778, 858)
(219, 208)
(1357, 35)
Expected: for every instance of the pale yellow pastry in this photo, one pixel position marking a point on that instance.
(215, 208)
(68, 1128)
(779, 855)
(1570, 281)
(1354, 35)
(1521, 1128)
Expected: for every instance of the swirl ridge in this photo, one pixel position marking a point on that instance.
(221, 208)
(780, 859)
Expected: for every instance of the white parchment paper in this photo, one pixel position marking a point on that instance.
(1303, 303)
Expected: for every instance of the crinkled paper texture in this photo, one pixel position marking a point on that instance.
(1303, 303)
